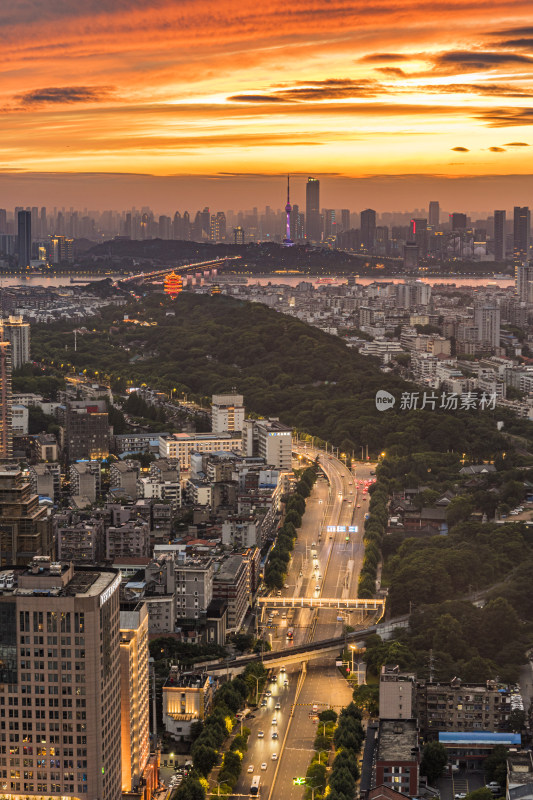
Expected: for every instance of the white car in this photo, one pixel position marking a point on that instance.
(278, 707)
(274, 756)
(260, 734)
(250, 768)
(274, 721)
(264, 765)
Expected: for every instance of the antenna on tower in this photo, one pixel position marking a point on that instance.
(288, 208)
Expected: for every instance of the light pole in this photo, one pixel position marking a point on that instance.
(257, 687)
(352, 648)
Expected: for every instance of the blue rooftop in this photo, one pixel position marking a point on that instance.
(483, 737)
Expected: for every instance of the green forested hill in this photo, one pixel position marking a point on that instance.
(284, 368)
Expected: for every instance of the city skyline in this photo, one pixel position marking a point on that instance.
(167, 94)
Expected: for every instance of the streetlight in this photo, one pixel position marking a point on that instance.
(257, 689)
(352, 648)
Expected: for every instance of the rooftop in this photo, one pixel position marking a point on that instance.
(398, 740)
(452, 737)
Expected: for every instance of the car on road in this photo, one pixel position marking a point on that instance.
(358, 505)
(274, 721)
(275, 735)
(278, 706)
(268, 694)
(285, 683)
(494, 787)
(250, 768)
(460, 795)
(274, 756)
(282, 669)
(260, 734)
(317, 588)
(264, 765)
(315, 708)
(263, 702)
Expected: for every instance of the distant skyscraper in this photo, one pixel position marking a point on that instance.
(24, 238)
(312, 210)
(164, 225)
(434, 214)
(345, 219)
(3, 220)
(419, 234)
(368, 228)
(17, 332)
(6, 433)
(499, 235)
(458, 221)
(330, 223)
(238, 235)
(521, 238)
(410, 256)
(44, 223)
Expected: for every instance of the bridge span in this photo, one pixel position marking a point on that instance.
(335, 603)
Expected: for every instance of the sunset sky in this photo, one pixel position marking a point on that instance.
(235, 94)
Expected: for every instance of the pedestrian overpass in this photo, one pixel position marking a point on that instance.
(367, 605)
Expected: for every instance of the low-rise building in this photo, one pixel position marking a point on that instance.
(129, 539)
(45, 480)
(456, 706)
(398, 756)
(85, 479)
(520, 775)
(469, 750)
(187, 698)
(179, 446)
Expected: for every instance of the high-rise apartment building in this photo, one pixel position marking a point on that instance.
(330, 224)
(487, 321)
(499, 235)
(312, 210)
(134, 695)
(25, 526)
(434, 214)
(17, 332)
(238, 235)
(524, 282)
(24, 238)
(521, 237)
(60, 249)
(227, 412)
(86, 430)
(368, 228)
(6, 401)
(60, 678)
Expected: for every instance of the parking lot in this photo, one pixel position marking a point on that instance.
(460, 783)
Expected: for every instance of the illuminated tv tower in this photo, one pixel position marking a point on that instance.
(288, 208)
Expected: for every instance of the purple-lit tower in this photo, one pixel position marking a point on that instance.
(288, 208)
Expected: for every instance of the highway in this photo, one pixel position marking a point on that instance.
(333, 502)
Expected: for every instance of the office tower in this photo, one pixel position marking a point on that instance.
(458, 221)
(238, 235)
(487, 321)
(134, 694)
(521, 238)
(368, 228)
(24, 239)
(6, 432)
(205, 221)
(3, 220)
(410, 256)
(499, 235)
(25, 526)
(17, 333)
(524, 281)
(345, 219)
(434, 214)
(312, 210)
(60, 676)
(227, 413)
(419, 234)
(381, 243)
(330, 223)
